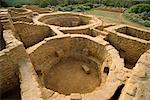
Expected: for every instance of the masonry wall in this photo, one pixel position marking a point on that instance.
(9, 58)
(37, 9)
(23, 19)
(130, 48)
(135, 32)
(65, 19)
(85, 31)
(31, 34)
(15, 12)
(68, 46)
(137, 86)
(49, 52)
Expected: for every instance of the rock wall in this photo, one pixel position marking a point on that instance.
(31, 34)
(48, 52)
(9, 58)
(37, 9)
(22, 19)
(130, 48)
(137, 86)
(69, 45)
(15, 12)
(139, 33)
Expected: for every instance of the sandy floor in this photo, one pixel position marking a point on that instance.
(68, 77)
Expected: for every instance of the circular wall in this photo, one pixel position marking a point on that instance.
(62, 60)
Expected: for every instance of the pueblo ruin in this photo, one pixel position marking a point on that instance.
(47, 55)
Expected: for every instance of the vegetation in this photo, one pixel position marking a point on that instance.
(139, 13)
(45, 3)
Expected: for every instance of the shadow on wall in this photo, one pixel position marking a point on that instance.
(129, 41)
(2, 41)
(31, 34)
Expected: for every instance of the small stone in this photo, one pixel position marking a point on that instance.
(86, 69)
(75, 96)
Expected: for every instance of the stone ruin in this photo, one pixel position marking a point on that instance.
(46, 55)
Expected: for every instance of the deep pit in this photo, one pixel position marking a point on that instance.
(68, 77)
(65, 20)
(134, 32)
(131, 42)
(73, 64)
(24, 32)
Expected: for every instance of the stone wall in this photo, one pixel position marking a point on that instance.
(137, 86)
(65, 19)
(15, 12)
(23, 19)
(9, 58)
(130, 48)
(139, 33)
(48, 52)
(69, 45)
(31, 34)
(30, 85)
(37, 9)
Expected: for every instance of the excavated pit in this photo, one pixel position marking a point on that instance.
(134, 32)
(131, 42)
(54, 60)
(65, 20)
(59, 63)
(16, 12)
(70, 23)
(30, 34)
(68, 76)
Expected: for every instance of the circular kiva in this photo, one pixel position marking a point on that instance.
(69, 22)
(77, 64)
(16, 12)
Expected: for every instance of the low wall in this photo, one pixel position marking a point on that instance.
(70, 45)
(137, 86)
(37, 9)
(130, 48)
(9, 58)
(52, 49)
(15, 12)
(68, 22)
(23, 19)
(31, 34)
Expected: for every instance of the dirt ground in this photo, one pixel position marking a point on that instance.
(68, 77)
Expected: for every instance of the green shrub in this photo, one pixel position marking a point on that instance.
(77, 10)
(139, 8)
(139, 14)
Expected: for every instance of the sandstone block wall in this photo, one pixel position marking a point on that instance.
(138, 85)
(15, 12)
(31, 34)
(131, 31)
(9, 61)
(43, 56)
(130, 48)
(70, 46)
(30, 85)
(22, 19)
(35, 8)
